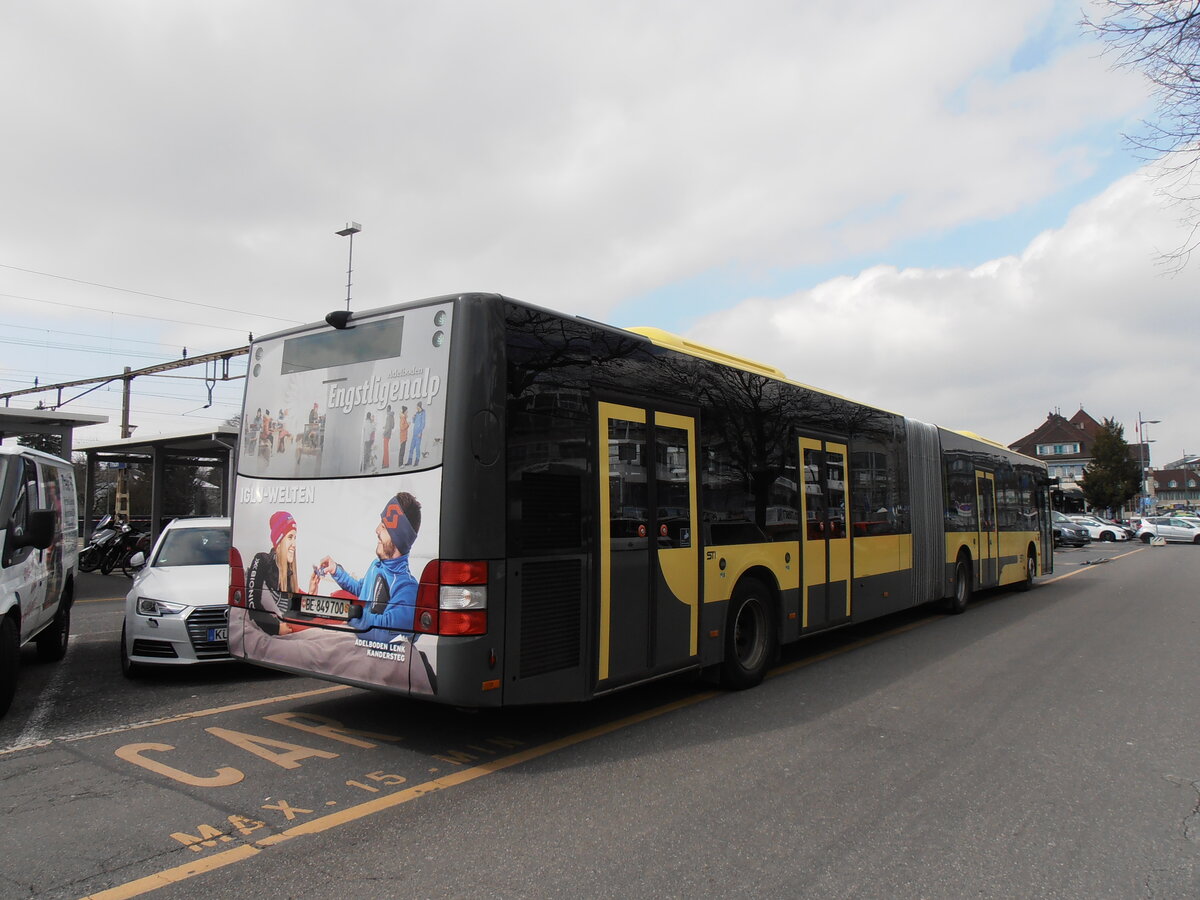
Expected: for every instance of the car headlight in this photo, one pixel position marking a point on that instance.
(148, 606)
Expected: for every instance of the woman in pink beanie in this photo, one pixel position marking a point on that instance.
(271, 573)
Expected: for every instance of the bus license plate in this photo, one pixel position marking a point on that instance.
(218, 634)
(330, 607)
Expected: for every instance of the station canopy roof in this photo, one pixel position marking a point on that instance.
(200, 443)
(16, 422)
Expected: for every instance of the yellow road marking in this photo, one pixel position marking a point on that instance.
(390, 801)
(179, 873)
(370, 807)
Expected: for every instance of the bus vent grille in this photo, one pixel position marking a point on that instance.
(551, 612)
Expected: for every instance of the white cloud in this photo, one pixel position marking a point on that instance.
(1085, 316)
(574, 155)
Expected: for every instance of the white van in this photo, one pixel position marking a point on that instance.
(39, 552)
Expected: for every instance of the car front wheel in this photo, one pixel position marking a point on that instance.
(10, 661)
(129, 668)
(52, 642)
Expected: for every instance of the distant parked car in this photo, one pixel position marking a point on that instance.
(177, 612)
(1068, 533)
(1171, 528)
(1100, 530)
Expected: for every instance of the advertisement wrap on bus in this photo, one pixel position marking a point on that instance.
(481, 502)
(337, 506)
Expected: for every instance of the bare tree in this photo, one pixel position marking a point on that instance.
(1161, 39)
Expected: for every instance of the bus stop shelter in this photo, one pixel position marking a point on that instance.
(213, 448)
(54, 422)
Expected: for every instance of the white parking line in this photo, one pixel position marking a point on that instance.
(31, 734)
(166, 720)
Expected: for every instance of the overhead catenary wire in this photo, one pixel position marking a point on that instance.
(111, 287)
(93, 310)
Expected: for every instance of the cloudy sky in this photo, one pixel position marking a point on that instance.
(927, 206)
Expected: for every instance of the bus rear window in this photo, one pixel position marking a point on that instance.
(337, 403)
(362, 343)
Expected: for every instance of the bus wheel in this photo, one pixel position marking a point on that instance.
(750, 636)
(10, 661)
(1030, 570)
(962, 587)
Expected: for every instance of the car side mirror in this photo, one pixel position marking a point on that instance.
(137, 560)
(39, 530)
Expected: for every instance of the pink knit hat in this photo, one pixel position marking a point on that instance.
(281, 523)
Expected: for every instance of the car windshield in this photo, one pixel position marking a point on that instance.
(194, 547)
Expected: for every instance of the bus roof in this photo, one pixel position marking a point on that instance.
(703, 351)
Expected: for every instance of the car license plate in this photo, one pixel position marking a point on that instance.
(330, 607)
(218, 634)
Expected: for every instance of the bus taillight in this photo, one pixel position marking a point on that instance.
(237, 579)
(452, 598)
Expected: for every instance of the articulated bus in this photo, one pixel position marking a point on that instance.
(480, 502)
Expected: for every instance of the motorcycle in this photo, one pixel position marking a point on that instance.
(119, 551)
(141, 544)
(91, 556)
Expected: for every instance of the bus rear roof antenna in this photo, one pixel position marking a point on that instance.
(339, 318)
(351, 229)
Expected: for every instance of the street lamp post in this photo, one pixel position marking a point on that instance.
(351, 229)
(1144, 496)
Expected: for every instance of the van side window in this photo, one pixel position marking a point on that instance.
(27, 499)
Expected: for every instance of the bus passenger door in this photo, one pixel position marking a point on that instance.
(825, 533)
(649, 557)
(989, 529)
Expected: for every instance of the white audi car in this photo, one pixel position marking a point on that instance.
(177, 613)
(1101, 530)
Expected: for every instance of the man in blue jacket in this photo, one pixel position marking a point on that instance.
(388, 589)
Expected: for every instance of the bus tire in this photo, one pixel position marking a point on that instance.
(52, 642)
(1030, 571)
(10, 661)
(751, 636)
(963, 587)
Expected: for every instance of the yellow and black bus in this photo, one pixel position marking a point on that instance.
(481, 502)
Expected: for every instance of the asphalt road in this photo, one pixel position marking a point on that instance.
(1040, 745)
